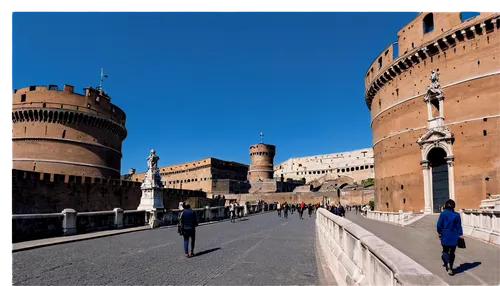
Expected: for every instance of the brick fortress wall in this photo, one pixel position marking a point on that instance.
(467, 55)
(201, 174)
(34, 192)
(63, 132)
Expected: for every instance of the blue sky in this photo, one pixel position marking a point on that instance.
(196, 85)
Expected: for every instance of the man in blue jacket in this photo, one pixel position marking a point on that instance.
(189, 222)
(449, 228)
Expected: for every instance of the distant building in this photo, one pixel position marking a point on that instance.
(356, 164)
(197, 175)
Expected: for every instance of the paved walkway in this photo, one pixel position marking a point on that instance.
(478, 264)
(259, 250)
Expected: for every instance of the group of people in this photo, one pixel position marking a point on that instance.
(300, 208)
(234, 211)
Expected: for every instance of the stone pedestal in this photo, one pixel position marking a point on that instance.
(152, 191)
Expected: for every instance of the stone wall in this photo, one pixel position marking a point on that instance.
(198, 175)
(357, 257)
(34, 192)
(356, 197)
(468, 70)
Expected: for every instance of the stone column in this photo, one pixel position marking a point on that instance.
(69, 222)
(118, 217)
(427, 187)
(451, 176)
(429, 111)
(441, 109)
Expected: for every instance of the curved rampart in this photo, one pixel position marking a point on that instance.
(59, 131)
(467, 56)
(262, 157)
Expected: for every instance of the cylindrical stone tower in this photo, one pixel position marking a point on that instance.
(262, 156)
(62, 132)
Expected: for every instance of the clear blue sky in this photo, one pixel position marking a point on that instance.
(196, 85)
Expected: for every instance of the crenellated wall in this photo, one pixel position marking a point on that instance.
(60, 131)
(467, 56)
(34, 192)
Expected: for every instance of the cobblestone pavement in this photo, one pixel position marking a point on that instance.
(478, 264)
(259, 250)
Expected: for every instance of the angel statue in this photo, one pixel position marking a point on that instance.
(435, 86)
(153, 160)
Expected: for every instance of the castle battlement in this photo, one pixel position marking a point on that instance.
(63, 132)
(79, 180)
(93, 101)
(445, 31)
(70, 179)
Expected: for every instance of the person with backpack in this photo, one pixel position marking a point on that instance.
(232, 212)
(285, 210)
(278, 207)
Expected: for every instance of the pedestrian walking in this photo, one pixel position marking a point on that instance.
(285, 210)
(449, 228)
(293, 208)
(232, 212)
(189, 222)
(310, 209)
(278, 207)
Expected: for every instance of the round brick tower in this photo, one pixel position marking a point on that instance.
(262, 156)
(435, 113)
(62, 132)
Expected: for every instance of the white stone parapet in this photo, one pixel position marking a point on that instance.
(483, 224)
(399, 218)
(358, 257)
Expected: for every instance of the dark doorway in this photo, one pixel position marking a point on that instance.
(440, 184)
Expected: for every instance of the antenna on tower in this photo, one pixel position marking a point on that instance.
(103, 76)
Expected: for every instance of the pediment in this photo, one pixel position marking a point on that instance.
(435, 134)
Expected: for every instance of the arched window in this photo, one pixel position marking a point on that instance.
(428, 23)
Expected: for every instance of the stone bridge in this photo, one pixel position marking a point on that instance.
(259, 249)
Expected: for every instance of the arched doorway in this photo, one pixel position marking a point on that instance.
(440, 182)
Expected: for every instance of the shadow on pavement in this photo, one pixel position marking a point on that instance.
(207, 251)
(243, 219)
(466, 266)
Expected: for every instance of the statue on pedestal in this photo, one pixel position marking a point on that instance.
(152, 189)
(434, 90)
(152, 178)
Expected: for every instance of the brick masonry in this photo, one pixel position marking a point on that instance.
(468, 65)
(34, 192)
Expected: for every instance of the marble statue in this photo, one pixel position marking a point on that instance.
(152, 160)
(434, 90)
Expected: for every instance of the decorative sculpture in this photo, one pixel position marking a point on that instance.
(153, 160)
(152, 189)
(434, 90)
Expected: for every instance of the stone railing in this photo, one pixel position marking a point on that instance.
(68, 222)
(171, 217)
(399, 218)
(482, 224)
(358, 257)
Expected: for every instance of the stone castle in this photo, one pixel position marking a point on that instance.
(435, 113)
(63, 132)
